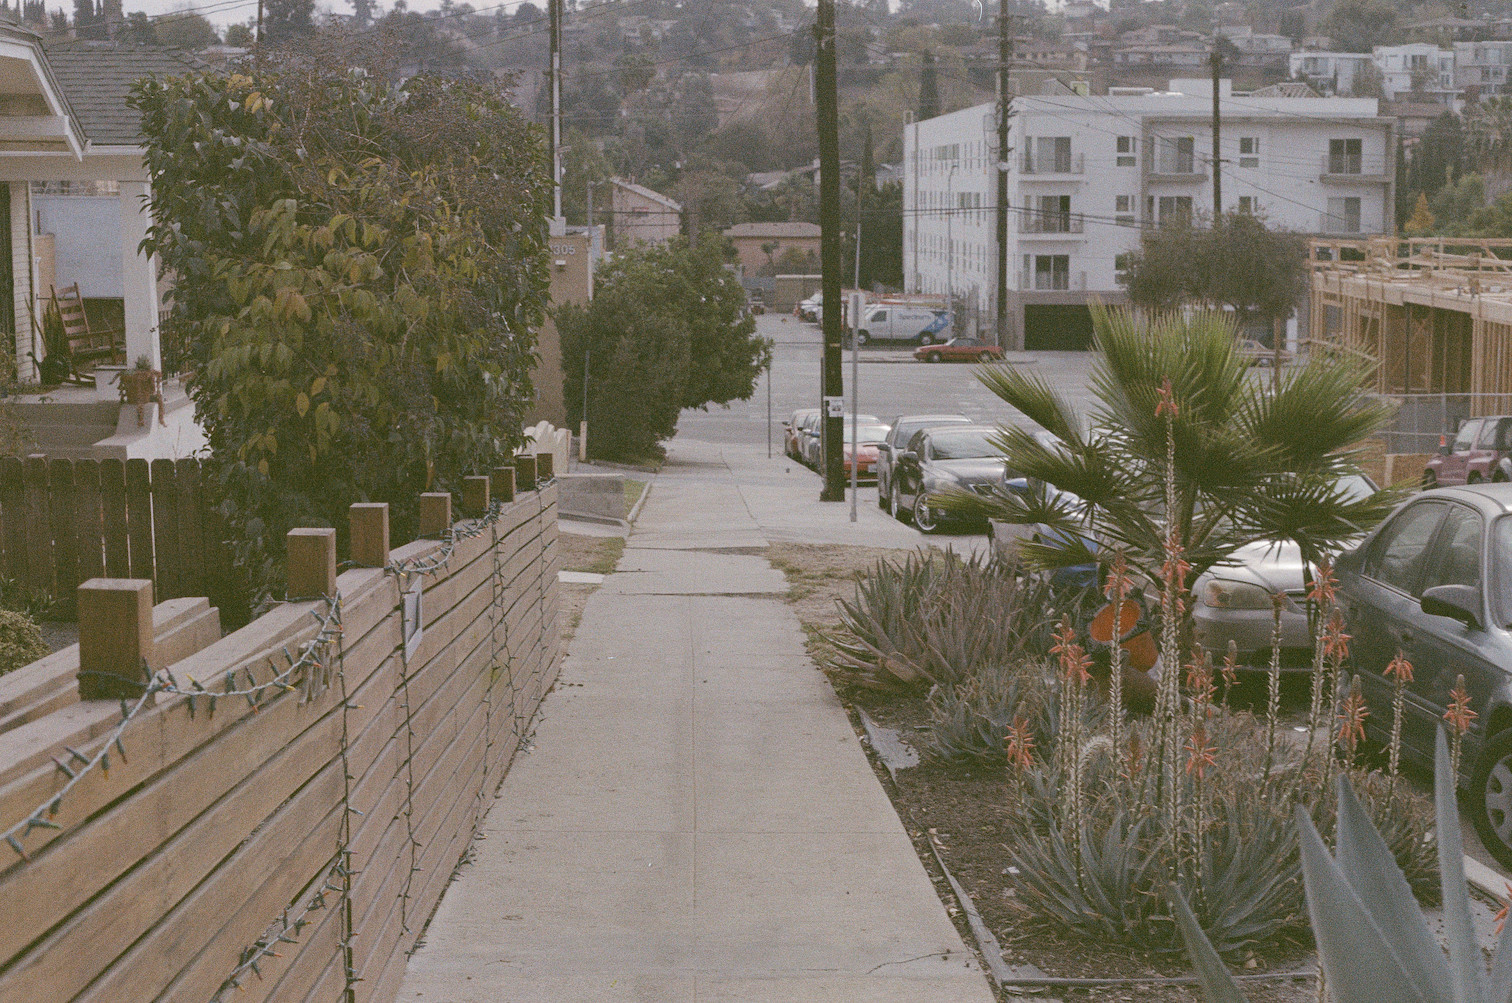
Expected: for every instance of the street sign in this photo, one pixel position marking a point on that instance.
(834, 407)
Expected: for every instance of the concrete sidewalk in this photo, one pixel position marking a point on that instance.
(697, 820)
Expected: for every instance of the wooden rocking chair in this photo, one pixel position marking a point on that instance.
(86, 345)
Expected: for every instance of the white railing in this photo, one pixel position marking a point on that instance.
(1051, 223)
(1068, 164)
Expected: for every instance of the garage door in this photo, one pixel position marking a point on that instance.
(1057, 328)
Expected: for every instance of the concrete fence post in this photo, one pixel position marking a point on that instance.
(311, 565)
(435, 513)
(115, 637)
(545, 463)
(370, 533)
(525, 472)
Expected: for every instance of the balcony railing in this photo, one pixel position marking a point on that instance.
(1329, 223)
(1352, 167)
(1050, 223)
(1053, 281)
(1180, 169)
(1068, 164)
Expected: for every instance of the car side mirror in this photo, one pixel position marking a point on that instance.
(1457, 602)
(908, 456)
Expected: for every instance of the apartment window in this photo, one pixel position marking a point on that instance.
(1054, 214)
(1344, 156)
(1176, 155)
(1247, 204)
(1121, 265)
(1048, 155)
(1343, 215)
(1249, 151)
(1128, 148)
(1052, 271)
(1175, 208)
(1123, 203)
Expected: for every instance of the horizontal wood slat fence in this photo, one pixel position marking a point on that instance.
(288, 840)
(63, 522)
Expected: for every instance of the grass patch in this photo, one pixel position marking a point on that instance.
(633, 489)
(596, 555)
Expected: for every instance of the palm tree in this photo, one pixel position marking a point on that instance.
(1249, 463)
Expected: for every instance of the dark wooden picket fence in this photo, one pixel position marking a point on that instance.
(63, 522)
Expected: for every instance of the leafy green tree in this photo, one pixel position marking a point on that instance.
(666, 330)
(1238, 263)
(239, 35)
(184, 29)
(1454, 204)
(287, 21)
(584, 166)
(360, 272)
(929, 89)
(1360, 25)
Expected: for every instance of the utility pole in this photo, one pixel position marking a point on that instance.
(554, 71)
(257, 43)
(830, 263)
(1005, 112)
(1215, 61)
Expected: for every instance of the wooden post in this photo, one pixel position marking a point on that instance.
(311, 563)
(370, 533)
(502, 484)
(544, 464)
(475, 495)
(115, 637)
(525, 472)
(435, 513)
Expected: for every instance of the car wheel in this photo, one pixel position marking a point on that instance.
(922, 517)
(883, 497)
(933, 357)
(925, 338)
(896, 504)
(1491, 797)
(862, 337)
(1430, 480)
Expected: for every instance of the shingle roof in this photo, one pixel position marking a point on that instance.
(644, 192)
(96, 78)
(789, 230)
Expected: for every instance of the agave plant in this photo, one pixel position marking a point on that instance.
(970, 720)
(1374, 944)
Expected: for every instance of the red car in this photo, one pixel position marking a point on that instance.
(869, 437)
(1482, 451)
(959, 350)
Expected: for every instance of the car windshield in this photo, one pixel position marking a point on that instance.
(1501, 568)
(866, 433)
(963, 445)
(1355, 487)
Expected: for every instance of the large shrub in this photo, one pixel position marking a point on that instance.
(666, 330)
(359, 273)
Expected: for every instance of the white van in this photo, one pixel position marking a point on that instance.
(901, 322)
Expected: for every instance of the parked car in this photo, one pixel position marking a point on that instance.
(1233, 599)
(1482, 451)
(792, 432)
(1259, 354)
(813, 438)
(900, 322)
(1434, 581)
(861, 441)
(903, 428)
(808, 309)
(959, 350)
(941, 457)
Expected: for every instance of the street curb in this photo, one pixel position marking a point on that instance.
(1484, 879)
(635, 509)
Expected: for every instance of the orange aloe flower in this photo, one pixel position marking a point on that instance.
(1352, 717)
(1167, 408)
(1459, 715)
(1074, 660)
(1200, 754)
(1119, 582)
(1231, 665)
(1019, 743)
(1501, 917)
(1335, 641)
(1200, 676)
(1323, 588)
(1176, 567)
(1399, 668)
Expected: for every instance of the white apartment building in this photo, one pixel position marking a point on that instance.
(1329, 72)
(1087, 174)
(1422, 62)
(1483, 66)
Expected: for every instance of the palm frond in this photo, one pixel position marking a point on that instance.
(1035, 398)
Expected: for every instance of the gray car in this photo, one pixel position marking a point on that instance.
(1233, 599)
(903, 428)
(1434, 581)
(939, 459)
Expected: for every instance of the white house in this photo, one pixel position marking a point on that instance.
(1483, 66)
(1329, 72)
(1418, 63)
(1087, 174)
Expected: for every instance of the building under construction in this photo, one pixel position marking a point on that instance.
(1432, 315)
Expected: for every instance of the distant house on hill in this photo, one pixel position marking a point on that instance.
(759, 245)
(642, 216)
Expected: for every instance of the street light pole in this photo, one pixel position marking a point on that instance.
(950, 243)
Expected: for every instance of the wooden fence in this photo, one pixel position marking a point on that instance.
(63, 522)
(288, 841)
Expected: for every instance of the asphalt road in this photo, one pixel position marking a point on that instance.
(890, 383)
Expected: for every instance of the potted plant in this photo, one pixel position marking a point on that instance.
(141, 386)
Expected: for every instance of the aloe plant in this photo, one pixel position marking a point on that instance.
(1374, 944)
